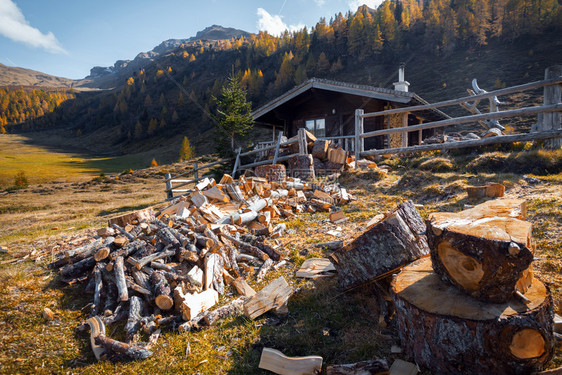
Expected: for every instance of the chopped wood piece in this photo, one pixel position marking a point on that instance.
(337, 156)
(199, 199)
(195, 276)
(491, 191)
(132, 351)
(247, 247)
(320, 149)
(105, 232)
(400, 367)
(132, 218)
(135, 315)
(338, 217)
(372, 367)
(118, 269)
(233, 308)
(194, 304)
(448, 331)
(557, 323)
(392, 243)
(101, 254)
(277, 362)
(162, 291)
(485, 257)
(213, 272)
(216, 193)
(263, 269)
(272, 172)
(121, 241)
(270, 297)
(97, 328)
(243, 288)
(48, 314)
(301, 166)
(149, 258)
(316, 267)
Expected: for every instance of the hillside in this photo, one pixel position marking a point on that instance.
(13, 76)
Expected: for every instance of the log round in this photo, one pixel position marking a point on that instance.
(449, 332)
(272, 172)
(485, 257)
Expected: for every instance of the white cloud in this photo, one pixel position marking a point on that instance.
(354, 4)
(274, 24)
(13, 25)
(320, 2)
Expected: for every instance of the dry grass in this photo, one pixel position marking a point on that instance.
(341, 327)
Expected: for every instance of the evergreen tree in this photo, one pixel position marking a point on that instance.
(234, 114)
(186, 151)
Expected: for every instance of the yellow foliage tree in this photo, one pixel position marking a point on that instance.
(153, 163)
(186, 151)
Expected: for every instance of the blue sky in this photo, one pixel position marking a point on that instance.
(68, 37)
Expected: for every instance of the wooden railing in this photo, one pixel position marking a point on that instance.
(548, 127)
(173, 184)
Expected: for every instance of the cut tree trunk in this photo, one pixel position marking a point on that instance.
(488, 258)
(301, 166)
(320, 149)
(162, 291)
(389, 245)
(449, 332)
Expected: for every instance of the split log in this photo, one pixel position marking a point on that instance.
(271, 297)
(120, 241)
(387, 246)
(449, 332)
(243, 288)
(233, 308)
(195, 276)
(316, 267)
(168, 238)
(132, 218)
(162, 291)
(194, 304)
(263, 269)
(97, 327)
(141, 279)
(213, 272)
(123, 232)
(277, 362)
(127, 250)
(216, 193)
(490, 191)
(120, 279)
(320, 149)
(488, 258)
(247, 247)
(132, 351)
(371, 367)
(137, 288)
(337, 156)
(135, 314)
(272, 172)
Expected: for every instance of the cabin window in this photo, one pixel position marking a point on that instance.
(317, 127)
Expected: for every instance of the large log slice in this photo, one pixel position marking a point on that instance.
(486, 256)
(449, 332)
(272, 172)
(390, 244)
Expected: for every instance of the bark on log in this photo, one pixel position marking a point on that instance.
(162, 291)
(233, 308)
(80, 268)
(123, 232)
(263, 269)
(135, 314)
(118, 269)
(149, 258)
(320, 149)
(449, 332)
(127, 250)
(71, 256)
(272, 172)
(131, 351)
(247, 247)
(485, 257)
(394, 242)
(301, 166)
(98, 285)
(372, 367)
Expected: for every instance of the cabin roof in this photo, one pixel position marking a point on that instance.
(401, 97)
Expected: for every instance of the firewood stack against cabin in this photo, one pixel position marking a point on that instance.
(171, 269)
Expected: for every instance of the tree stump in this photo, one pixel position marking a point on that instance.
(301, 166)
(488, 258)
(272, 172)
(392, 243)
(448, 332)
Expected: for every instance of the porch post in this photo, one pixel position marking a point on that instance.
(405, 134)
(359, 142)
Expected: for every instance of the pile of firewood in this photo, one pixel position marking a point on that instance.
(167, 269)
(471, 303)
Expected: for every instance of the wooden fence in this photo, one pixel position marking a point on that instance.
(549, 129)
(549, 125)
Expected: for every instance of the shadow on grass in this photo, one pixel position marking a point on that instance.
(122, 209)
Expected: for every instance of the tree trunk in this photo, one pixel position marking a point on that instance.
(392, 243)
(448, 332)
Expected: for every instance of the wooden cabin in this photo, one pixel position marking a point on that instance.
(327, 109)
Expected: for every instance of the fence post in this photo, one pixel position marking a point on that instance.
(359, 142)
(236, 162)
(277, 148)
(405, 125)
(195, 171)
(302, 141)
(552, 95)
(169, 193)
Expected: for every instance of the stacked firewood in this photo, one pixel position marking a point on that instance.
(168, 269)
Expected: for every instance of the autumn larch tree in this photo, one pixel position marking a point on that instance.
(186, 151)
(234, 114)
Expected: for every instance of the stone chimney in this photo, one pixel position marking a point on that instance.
(401, 85)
